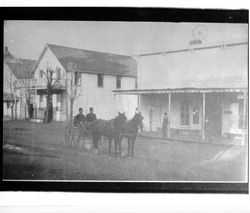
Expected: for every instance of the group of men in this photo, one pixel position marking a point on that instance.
(80, 118)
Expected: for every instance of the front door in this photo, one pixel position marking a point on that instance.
(214, 112)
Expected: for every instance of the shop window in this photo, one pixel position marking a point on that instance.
(240, 120)
(196, 115)
(185, 113)
(118, 82)
(100, 80)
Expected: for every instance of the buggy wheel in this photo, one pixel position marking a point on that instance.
(68, 134)
(75, 137)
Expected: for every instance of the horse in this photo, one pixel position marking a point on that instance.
(130, 132)
(110, 129)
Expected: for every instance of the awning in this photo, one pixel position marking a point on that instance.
(179, 90)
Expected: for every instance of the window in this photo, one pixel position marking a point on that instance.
(185, 113)
(77, 78)
(118, 82)
(100, 80)
(240, 120)
(41, 74)
(196, 115)
(58, 74)
(8, 104)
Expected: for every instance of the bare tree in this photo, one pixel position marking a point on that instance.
(73, 87)
(25, 86)
(11, 84)
(51, 84)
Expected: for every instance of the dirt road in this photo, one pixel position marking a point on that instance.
(38, 152)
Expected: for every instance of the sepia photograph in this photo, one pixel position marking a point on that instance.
(125, 101)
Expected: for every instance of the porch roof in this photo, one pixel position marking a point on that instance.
(42, 91)
(9, 97)
(178, 90)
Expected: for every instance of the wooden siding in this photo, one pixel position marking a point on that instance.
(211, 68)
(102, 99)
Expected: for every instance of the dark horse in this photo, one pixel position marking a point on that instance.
(131, 130)
(110, 129)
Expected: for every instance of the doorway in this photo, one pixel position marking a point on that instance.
(213, 112)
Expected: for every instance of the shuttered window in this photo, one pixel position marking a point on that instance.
(100, 80)
(77, 78)
(118, 82)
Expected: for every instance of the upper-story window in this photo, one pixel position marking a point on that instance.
(77, 78)
(100, 80)
(118, 82)
(58, 74)
(41, 73)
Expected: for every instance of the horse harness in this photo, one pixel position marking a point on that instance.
(108, 126)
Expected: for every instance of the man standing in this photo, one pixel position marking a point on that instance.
(91, 116)
(79, 118)
(165, 125)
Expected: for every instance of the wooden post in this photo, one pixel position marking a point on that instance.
(35, 102)
(244, 120)
(66, 98)
(203, 115)
(139, 102)
(169, 111)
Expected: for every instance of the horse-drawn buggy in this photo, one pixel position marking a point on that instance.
(114, 130)
(76, 135)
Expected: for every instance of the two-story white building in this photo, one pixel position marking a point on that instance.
(192, 83)
(17, 74)
(97, 75)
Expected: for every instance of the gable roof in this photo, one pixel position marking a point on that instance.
(94, 62)
(22, 69)
(8, 57)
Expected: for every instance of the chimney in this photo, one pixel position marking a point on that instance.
(6, 49)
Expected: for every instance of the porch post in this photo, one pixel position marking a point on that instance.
(36, 102)
(66, 99)
(244, 120)
(169, 111)
(139, 102)
(203, 115)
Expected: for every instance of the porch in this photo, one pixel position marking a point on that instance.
(193, 138)
(58, 103)
(216, 115)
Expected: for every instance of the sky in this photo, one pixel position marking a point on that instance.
(26, 39)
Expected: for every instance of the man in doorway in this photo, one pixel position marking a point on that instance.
(165, 126)
(91, 115)
(79, 119)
